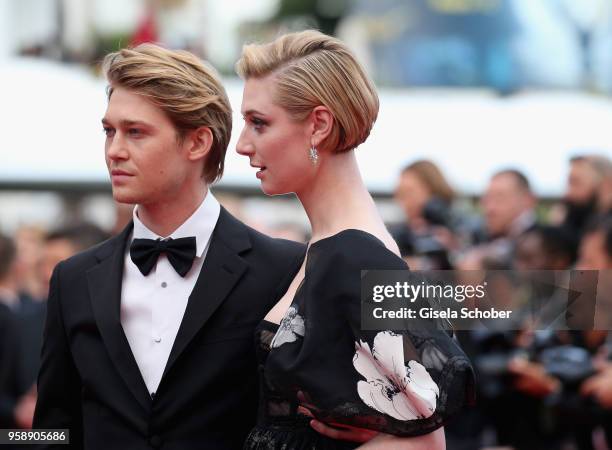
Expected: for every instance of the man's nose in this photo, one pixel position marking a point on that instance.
(116, 148)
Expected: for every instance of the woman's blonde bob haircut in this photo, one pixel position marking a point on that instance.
(185, 88)
(312, 69)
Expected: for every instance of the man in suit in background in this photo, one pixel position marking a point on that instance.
(9, 350)
(508, 205)
(149, 336)
(59, 244)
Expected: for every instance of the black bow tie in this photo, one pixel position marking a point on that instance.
(180, 253)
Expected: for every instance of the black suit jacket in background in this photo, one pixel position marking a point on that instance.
(90, 383)
(9, 367)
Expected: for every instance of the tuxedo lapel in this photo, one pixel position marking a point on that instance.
(105, 281)
(221, 270)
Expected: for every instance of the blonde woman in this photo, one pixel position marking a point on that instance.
(307, 104)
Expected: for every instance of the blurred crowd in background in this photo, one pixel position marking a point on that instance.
(536, 390)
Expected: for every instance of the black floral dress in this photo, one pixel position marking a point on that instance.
(404, 383)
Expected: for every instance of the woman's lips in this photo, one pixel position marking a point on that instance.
(261, 170)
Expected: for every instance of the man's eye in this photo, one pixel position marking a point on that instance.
(134, 132)
(108, 131)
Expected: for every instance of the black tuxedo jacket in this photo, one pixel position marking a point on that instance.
(90, 383)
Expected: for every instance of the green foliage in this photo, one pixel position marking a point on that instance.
(325, 13)
(104, 44)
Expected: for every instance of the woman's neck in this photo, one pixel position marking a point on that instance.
(338, 198)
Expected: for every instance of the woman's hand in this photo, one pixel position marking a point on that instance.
(431, 441)
(338, 431)
(343, 432)
(373, 440)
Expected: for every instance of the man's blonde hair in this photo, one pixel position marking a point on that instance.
(185, 88)
(312, 69)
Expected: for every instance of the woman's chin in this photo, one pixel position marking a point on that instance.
(273, 190)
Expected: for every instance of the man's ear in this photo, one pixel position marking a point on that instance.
(200, 143)
(323, 122)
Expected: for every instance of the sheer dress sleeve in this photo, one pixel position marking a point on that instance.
(405, 383)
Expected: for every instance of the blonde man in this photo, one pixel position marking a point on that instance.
(148, 338)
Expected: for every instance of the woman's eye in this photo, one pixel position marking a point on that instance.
(258, 124)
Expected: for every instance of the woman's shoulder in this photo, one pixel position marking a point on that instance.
(353, 249)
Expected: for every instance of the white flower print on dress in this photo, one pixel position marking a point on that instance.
(391, 387)
(291, 326)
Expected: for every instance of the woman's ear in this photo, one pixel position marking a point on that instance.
(200, 143)
(323, 122)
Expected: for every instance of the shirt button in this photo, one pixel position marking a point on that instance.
(157, 339)
(164, 284)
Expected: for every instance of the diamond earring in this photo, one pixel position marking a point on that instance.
(313, 155)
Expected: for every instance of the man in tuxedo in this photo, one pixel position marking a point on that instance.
(149, 336)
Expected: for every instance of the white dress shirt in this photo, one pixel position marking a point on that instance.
(152, 306)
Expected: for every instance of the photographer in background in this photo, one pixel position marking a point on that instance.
(596, 253)
(425, 196)
(556, 377)
(513, 382)
(588, 193)
(508, 206)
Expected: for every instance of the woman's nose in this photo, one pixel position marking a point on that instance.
(243, 147)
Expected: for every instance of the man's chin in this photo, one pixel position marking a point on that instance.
(125, 198)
